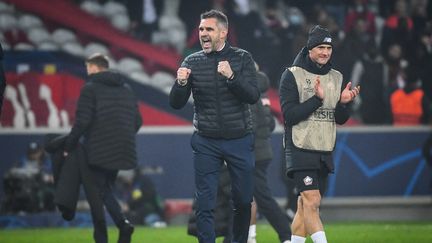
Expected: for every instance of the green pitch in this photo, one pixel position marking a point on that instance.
(336, 233)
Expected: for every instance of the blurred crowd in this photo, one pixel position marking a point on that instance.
(29, 187)
(382, 45)
(29, 184)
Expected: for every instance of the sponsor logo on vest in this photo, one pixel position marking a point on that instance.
(308, 180)
(323, 114)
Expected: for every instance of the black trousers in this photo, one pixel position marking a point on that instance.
(98, 185)
(267, 205)
(209, 155)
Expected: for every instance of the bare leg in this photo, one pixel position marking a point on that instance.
(311, 200)
(298, 226)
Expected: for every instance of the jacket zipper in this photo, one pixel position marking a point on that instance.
(218, 105)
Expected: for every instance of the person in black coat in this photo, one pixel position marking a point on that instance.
(107, 118)
(222, 80)
(264, 124)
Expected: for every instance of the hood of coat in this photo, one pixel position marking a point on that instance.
(108, 78)
(303, 60)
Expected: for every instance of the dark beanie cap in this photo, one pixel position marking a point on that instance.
(317, 36)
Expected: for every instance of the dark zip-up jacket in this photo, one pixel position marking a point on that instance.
(107, 116)
(221, 106)
(295, 112)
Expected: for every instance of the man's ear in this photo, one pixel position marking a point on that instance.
(224, 33)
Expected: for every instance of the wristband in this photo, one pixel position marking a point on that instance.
(231, 77)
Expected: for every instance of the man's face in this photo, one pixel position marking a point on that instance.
(91, 68)
(321, 54)
(212, 35)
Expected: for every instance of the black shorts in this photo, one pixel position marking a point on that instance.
(311, 180)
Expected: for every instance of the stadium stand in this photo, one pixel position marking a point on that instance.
(69, 15)
(62, 35)
(24, 31)
(66, 78)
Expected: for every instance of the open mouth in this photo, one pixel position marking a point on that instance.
(206, 42)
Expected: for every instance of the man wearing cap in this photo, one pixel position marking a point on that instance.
(313, 102)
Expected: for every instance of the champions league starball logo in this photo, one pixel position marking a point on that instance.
(309, 88)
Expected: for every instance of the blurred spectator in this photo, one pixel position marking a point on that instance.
(419, 16)
(305, 6)
(274, 18)
(323, 18)
(385, 7)
(282, 32)
(255, 36)
(299, 41)
(409, 105)
(144, 205)
(396, 63)
(36, 159)
(359, 10)
(337, 9)
(189, 12)
(398, 27)
(144, 16)
(355, 44)
(29, 184)
(420, 58)
(370, 73)
(296, 21)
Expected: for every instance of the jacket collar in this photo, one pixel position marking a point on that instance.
(303, 60)
(221, 52)
(108, 77)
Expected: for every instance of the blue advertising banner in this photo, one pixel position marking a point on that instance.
(368, 162)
